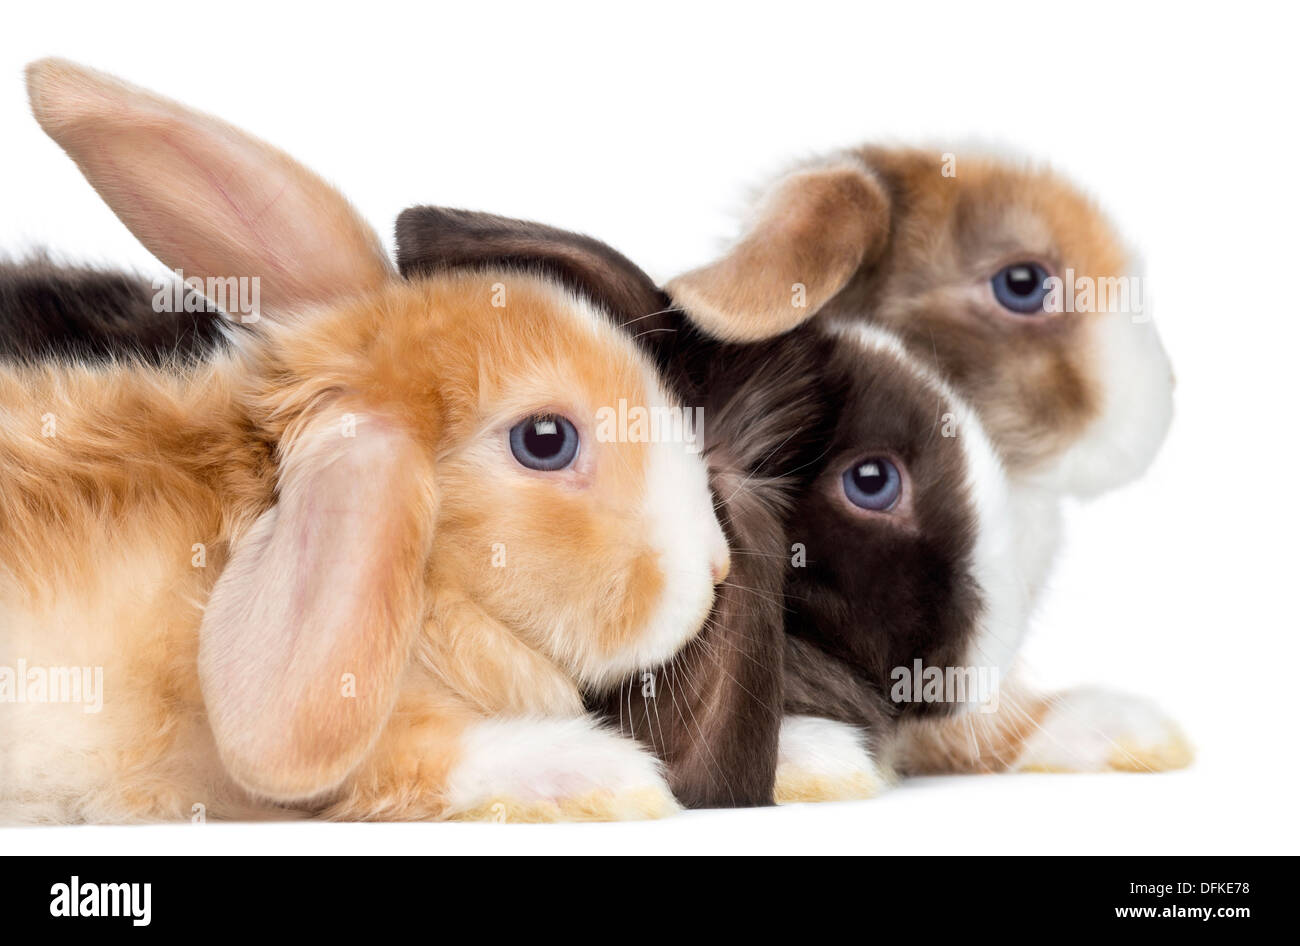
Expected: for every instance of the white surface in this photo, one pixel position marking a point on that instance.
(1201, 812)
(644, 128)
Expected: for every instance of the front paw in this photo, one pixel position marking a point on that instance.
(540, 770)
(822, 760)
(1091, 730)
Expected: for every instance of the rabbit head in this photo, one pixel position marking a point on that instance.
(713, 714)
(413, 441)
(908, 534)
(1000, 274)
(929, 576)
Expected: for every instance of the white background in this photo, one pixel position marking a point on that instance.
(645, 126)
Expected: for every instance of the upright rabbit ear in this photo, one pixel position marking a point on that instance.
(308, 631)
(203, 196)
(812, 232)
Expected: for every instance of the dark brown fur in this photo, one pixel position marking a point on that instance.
(64, 312)
(879, 591)
(783, 419)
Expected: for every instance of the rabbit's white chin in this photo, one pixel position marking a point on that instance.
(678, 509)
(1137, 386)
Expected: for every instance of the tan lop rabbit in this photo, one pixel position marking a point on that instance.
(364, 564)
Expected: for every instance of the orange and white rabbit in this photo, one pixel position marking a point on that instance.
(362, 565)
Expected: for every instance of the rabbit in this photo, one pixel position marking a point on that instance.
(279, 561)
(977, 266)
(712, 769)
(713, 714)
(831, 595)
(79, 313)
(771, 409)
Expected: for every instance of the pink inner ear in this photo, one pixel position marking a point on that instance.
(815, 229)
(308, 629)
(205, 197)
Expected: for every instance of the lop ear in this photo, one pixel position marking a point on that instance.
(309, 628)
(813, 231)
(203, 196)
(430, 239)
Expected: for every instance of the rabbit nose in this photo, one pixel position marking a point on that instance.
(720, 566)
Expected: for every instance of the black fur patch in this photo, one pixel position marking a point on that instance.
(49, 311)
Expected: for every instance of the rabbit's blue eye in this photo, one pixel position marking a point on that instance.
(873, 483)
(1021, 287)
(544, 442)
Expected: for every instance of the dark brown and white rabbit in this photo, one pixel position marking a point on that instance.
(870, 523)
(1013, 286)
(363, 564)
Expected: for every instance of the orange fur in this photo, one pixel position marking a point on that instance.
(969, 742)
(283, 559)
(145, 464)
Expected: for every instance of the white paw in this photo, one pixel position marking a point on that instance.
(1090, 730)
(554, 770)
(822, 760)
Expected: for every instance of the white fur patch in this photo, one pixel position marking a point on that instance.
(997, 560)
(1094, 730)
(824, 748)
(1137, 406)
(820, 760)
(678, 513)
(548, 760)
(678, 508)
(1006, 550)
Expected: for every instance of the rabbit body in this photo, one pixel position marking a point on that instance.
(323, 571)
